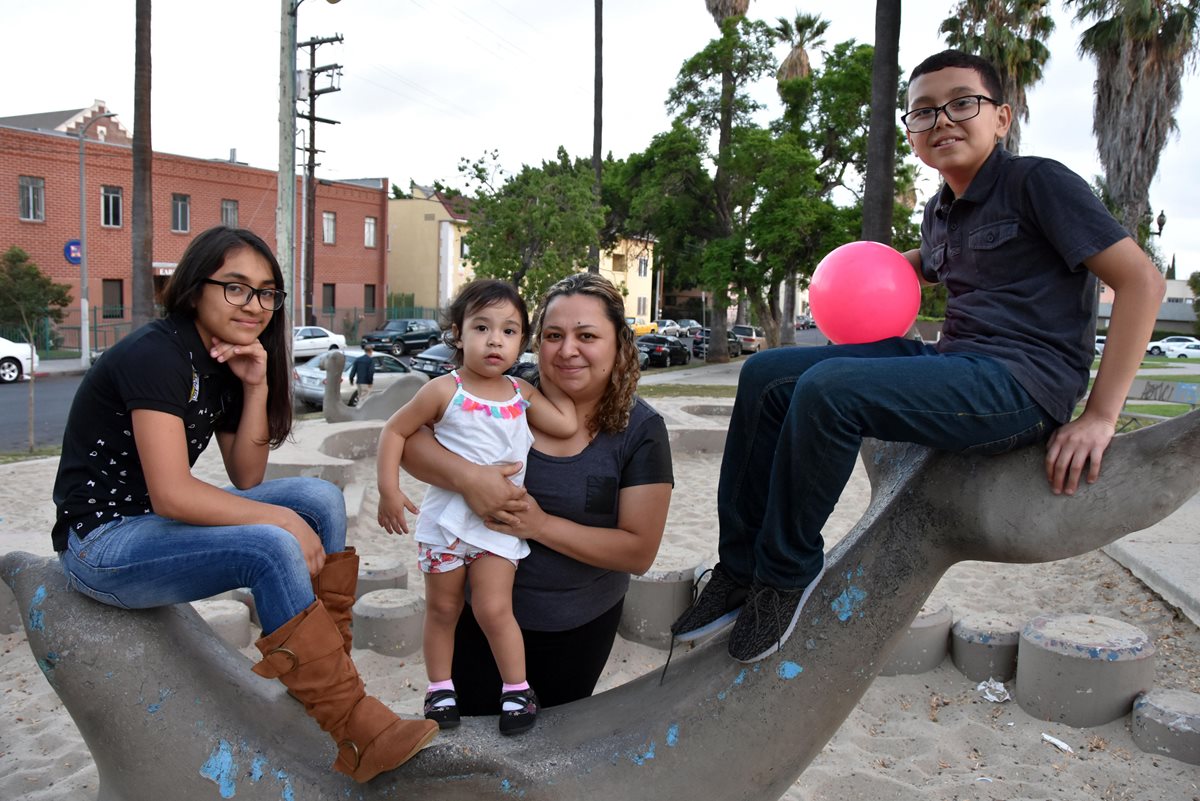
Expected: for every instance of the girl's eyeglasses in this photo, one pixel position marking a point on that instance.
(239, 294)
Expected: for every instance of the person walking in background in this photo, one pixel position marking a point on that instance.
(362, 372)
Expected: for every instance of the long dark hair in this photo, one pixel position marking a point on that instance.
(203, 257)
(479, 294)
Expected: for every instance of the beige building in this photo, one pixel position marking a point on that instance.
(630, 266)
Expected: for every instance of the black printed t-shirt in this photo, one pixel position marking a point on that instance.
(554, 592)
(162, 366)
(1010, 252)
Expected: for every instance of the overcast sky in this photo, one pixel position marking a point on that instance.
(427, 82)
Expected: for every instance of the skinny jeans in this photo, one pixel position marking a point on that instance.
(146, 560)
(800, 417)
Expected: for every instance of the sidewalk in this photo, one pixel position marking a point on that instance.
(1165, 557)
(48, 367)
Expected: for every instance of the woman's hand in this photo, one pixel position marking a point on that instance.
(526, 524)
(1080, 442)
(247, 362)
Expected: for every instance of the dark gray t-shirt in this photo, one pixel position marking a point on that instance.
(554, 592)
(1010, 252)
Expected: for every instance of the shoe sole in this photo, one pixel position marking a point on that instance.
(775, 646)
(715, 627)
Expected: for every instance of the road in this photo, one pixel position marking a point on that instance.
(52, 398)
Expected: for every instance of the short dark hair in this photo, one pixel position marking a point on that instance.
(479, 294)
(203, 257)
(957, 58)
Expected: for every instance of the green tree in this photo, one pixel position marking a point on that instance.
(532, 228)
(29, 299)
(1011, 35)
(1142, 48)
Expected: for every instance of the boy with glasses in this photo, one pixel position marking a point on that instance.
(1019, 243)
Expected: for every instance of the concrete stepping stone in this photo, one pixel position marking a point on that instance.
(1082, 670)
(984, 646)
(353, 495)
(383, 572)
(654, 601)
(389, 622)
(230, 620)
(1167, 722)
(243, 596)
(924, 645)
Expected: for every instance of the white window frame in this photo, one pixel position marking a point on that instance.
(643, 266)
(370, 226)
(112, 206)
(181, 213)
(32, 205)
(329, 227)
(229, 213)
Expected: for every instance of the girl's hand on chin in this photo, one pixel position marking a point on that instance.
(247, 362)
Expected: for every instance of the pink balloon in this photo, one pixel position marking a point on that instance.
(864, 292)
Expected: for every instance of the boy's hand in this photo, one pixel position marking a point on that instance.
(391, 511)
(1079, 442)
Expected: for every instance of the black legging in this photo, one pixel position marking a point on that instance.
(561, 666)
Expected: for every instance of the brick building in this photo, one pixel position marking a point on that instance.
(39, 212)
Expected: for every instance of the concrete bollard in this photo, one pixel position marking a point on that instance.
(984, 646)
(382, 572)
(230, 620)
(1082, 670)
(924, 645)
(1167, 722)
(654, 601)
(389, 622)
(353, 494)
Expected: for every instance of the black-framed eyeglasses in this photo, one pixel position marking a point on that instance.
(957, 110)
(239, 294)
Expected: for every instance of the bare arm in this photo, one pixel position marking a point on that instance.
(630, 547)
(914, 258)
(550, 410)
(424, 408)
(486, 488)
(245, 451)
(1139, 292)
(176, 494)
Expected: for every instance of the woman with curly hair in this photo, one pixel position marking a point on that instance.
(593, 507)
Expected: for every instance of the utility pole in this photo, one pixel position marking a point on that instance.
(310, 146)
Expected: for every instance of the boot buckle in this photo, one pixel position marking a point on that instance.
(289, 653)
(354, 748)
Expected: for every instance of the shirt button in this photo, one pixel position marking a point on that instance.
(991, 237)
(953, 226)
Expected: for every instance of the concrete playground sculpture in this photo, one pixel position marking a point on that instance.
(376, 406)
(170, 711)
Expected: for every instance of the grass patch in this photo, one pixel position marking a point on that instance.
(686, 391)
(37, 453)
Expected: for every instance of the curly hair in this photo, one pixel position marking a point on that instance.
(612, 413)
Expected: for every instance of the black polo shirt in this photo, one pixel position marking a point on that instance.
(1010, 252)
(162, 366)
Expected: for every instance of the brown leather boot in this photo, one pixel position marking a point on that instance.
(308, 656)
(335, 586)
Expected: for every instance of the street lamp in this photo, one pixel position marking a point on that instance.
(85, 333)
(1161, 220)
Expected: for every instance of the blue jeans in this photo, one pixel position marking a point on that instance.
(802, 413)
(146, 560)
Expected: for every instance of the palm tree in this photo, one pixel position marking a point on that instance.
(722, 10)
(879, 194)
(598, 126)
(1142, 48)
(142, 222)
(1011, 34)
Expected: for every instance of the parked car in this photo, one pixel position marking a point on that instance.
(640, 326)
(405, 334)
(309, 340)
(663, 351)
(308, 378)
(1159, 347)
(1100, 340)
(803, 322)
(15, 361)
(689, 328)
(1189, 350)
(752, 338)
(668, 328)
(700, 346)
(434, 361)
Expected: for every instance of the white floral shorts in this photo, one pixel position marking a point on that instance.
(443, 559)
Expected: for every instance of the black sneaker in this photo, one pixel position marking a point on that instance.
(715, 610)
(768, 620)
(518, 720)
(444, 715)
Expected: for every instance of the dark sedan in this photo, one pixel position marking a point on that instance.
(663, 351)
(434, 361)
(700, 345)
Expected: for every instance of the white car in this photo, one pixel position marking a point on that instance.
(1188, 350)
(15, 361)
(308, 379)
(309, 340)
(1160, 347)
(1100, 342)
(668, 328)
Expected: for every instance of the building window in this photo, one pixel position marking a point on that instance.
(643, 266)
(33, 198)
(181, 213)
(618, 263)
(328, 298)
(113, 296)
(643, 304)
(369, 232)
(110, 206)
(369, 297)
(229, 213)
(329, 227)
(463, 249)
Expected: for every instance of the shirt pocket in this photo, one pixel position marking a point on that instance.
(932, 266)
(992, 235)
(601, 495)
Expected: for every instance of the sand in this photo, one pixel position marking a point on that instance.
(924, 737)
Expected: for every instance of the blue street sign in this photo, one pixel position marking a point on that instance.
(73, 251)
